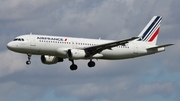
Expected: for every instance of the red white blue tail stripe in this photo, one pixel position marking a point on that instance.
(150, 32)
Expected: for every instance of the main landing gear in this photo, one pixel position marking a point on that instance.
(74, 66)
(91, 63)
(29, 59)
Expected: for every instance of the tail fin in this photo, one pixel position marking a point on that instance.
(151, 31)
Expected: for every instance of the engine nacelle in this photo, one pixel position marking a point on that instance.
(76, 54)
(46, 59)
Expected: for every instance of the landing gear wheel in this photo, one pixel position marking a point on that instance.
(29, 59)
(73, 67)
(28, 62)
(91, 64)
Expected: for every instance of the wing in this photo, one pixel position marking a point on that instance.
(90, 51)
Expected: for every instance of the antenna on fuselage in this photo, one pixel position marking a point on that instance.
(31, 33)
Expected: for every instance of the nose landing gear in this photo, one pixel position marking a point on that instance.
(29, 59)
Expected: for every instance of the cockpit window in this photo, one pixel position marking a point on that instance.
(18, 39)
(15, 39)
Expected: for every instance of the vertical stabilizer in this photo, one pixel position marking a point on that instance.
(151, 31)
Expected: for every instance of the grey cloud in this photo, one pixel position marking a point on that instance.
(147, 89)
(9, 64)
(122, 89)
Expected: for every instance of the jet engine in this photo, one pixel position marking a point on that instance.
(76, 53)
(46, 59)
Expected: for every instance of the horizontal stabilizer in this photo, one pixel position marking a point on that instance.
(156, 47)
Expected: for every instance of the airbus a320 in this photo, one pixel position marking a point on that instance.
(54, 49)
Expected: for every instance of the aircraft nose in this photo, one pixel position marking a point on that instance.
(10, 46)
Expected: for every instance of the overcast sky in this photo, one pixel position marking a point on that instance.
(150, 78)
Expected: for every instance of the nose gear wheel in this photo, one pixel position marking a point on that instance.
(29, 59)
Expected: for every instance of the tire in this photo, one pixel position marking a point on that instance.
(73, 67)
(91, 64)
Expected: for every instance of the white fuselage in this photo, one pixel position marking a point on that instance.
(55, 46)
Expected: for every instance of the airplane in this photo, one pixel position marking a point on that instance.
(54, 49)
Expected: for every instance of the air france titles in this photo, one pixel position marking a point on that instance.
(50, 38)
